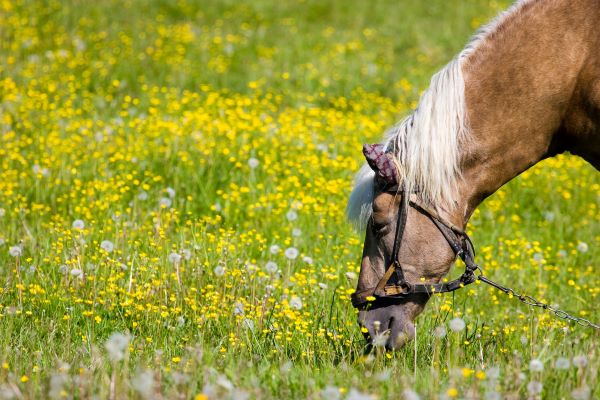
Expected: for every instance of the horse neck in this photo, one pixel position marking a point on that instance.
(519, 91)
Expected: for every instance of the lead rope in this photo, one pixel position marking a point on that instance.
(531, 301)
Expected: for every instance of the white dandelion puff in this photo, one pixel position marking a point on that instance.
(350, 276)
(219, 270)
(457, 324)
(534, 387)
(291, 215)
(78, 224)
(143, 383)
(170, 192)
(75, 272)
(175, 258)
(536, 365)
(296, 232)
(271, 267)
(562, 363)
(291, 253)
(15, 251)
(439, 332)
(296, 303)
(580, 361)
(582, 247)
(274, 249)
(116, 346)
(165, 202)
(253, 162)
(142, 196)
(107, 246)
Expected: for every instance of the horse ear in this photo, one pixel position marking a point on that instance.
(381, 162)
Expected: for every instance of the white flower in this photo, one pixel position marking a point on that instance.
(582, 393)
(580, 361)
(350, 276)
(549, 216)
(78, 224)
(582, 247)
(307, 259)
(253, 162)
(271, 267)
(291, 215)
(76, 272)
(439, 332)
(356, 395)
(107, 246)
(175, 258)
(219, 270)
(409, 394)
(296, 303)
(534, 387)
(187, 254)
(15, 251)
(457, 324)
(330, 393)
(322, 285)
(143, 383)
(142, 196)
(536, 365)
(562, 363)
(165, 202)
(238, 308)
(493, 373)
(291, 253)
(562, 253)
(274, 249)
(296, 232)
(218, 207)
(170, 192)
(117, 345)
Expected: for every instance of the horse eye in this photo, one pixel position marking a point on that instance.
(379, 230)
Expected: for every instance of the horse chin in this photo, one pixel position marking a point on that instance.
(391, 326)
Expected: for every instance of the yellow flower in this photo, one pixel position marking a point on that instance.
(452, 392)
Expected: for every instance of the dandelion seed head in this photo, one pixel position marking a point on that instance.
(78, 224)
(291, 215)
(116, 346)
(536, 365)
(107, 246)
(580, 361)
(253, 162)
(175, 258)
(271, 267)
(165, 202)
(296, 303)
(219, 270)
(15, 251)
(291, 253)
(457, 324)
(274, 249)
(582, 247)
(534, 387)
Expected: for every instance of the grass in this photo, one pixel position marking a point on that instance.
(156, 156)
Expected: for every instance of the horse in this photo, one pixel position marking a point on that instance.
(525, 87)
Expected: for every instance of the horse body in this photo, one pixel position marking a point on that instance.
(531, 84)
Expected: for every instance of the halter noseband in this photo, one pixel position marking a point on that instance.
(458, 240)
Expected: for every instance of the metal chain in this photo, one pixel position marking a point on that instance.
(531, 301)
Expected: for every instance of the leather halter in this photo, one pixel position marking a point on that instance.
(458, 240)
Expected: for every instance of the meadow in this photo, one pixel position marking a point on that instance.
(173, 178)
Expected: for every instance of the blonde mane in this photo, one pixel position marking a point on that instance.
(426, 144)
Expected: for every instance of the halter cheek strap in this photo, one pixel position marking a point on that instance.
(458, 240)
